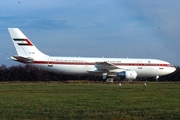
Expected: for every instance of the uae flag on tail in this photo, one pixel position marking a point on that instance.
(23, 42)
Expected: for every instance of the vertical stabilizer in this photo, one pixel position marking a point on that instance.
(23, 45)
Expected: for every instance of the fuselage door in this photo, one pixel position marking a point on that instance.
(159, 68)
(85, 63)
(140, 66)
(50, 62)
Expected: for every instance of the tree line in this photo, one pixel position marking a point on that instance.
(28, 73)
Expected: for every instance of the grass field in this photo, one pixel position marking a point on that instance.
(89, 101)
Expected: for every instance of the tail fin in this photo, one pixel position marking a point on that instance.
(23, 45)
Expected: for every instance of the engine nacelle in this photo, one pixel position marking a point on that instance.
(127, 74)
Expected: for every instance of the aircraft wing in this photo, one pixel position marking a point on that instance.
(22, 59)
(105, 66)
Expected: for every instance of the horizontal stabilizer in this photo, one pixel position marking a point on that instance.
(22, 59)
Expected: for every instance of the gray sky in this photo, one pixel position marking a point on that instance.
(94, 28)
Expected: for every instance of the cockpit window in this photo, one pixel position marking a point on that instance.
(170, 65)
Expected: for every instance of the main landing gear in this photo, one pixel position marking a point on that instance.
(107, 78)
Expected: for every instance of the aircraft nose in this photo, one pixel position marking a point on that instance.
(173, 69)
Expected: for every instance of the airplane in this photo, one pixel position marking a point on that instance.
(127, 68)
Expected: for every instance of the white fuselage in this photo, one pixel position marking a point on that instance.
(84, 65)
(107, 67)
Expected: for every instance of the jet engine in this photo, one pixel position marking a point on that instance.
(127, 75)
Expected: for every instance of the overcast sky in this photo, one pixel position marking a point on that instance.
(94, 28)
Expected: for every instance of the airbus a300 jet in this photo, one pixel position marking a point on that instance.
(128, 68)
